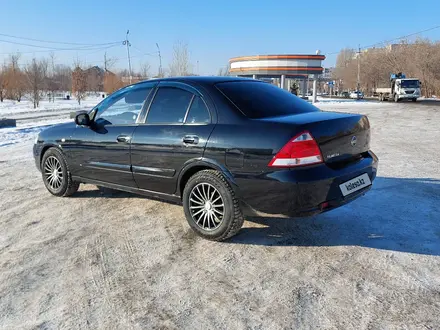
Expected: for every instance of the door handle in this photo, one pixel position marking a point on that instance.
(191, 139)
(123, 138)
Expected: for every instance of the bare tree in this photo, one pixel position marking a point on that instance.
(109, 62)
(123, 73)
(3, 70)
(344, 72)
(164, 72)
(224, 71)
(79, 82)
(63, 77)
(419, 59)
(345, 57)
(144, 72)
(51, 83)
(36, 76)
(15, 80)
(180, 64)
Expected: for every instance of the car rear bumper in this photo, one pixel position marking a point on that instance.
(303, 191)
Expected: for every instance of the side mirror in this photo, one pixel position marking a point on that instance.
(82, 119)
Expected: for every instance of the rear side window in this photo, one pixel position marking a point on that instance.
(169, 106)
(198, 113)
(260, 100)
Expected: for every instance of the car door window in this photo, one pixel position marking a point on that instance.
(123, 108)
(169, 106)
(198, 112)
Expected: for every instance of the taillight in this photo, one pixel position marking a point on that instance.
(299, 151)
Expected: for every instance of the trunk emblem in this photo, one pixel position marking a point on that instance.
(353, 141)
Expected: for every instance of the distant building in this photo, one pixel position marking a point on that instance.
(389, 48)
(394, 47)
(95, 78)
(365, 50)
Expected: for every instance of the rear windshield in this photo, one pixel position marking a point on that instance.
(258, 99)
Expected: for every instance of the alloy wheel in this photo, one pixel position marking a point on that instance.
(53, 172)
(206, 206)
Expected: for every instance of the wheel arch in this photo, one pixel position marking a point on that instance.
(46, 147)
(203, 164)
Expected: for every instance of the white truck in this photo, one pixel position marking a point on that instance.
(401, 88)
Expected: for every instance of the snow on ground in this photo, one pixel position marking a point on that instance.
(106, 259)
(10, 109)
(328, 100)
(27, 130)
(31, 121)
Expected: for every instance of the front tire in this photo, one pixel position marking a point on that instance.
(56, 175)
(396, 98)
(414, 100)
(211, 207)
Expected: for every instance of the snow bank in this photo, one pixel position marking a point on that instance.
(26, 131)
(9, 108)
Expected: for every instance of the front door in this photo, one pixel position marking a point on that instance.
(102, 151)
(176, 130)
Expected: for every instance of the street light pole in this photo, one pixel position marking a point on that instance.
(359, 71)
(128, 44)
(160, 60)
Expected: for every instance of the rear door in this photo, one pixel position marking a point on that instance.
(178, 124)
(102, 151)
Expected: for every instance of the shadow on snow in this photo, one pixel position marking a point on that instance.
(397, 214)
(400, 214)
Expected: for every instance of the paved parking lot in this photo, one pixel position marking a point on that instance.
(111, 260)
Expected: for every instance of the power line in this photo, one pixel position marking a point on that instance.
(403, 37)
(60, 49)
(118, 58)
(137, 49)
(56, 42)
(53, 48)
(100, 49)
(94, 48)
(390, 40)
(144, 54)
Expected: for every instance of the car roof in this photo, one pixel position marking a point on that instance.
(204, 80)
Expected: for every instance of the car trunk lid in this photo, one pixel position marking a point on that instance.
(340, 136)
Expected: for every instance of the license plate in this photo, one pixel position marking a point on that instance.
(355, 184)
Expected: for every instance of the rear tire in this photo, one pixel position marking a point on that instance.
(211, 207)
(56, 175)
(380, 97)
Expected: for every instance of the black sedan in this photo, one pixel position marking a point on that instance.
(224, 147)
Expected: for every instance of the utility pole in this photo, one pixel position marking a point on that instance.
(127, 43)
(160, 60)
(359, 71)
(198, 68)
(105, 62)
